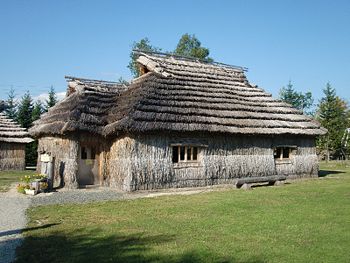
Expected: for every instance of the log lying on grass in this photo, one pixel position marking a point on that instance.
(264, 179)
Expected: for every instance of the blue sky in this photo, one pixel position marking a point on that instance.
(307, 42)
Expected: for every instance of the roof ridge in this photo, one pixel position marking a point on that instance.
(94, 81)
(186, 58)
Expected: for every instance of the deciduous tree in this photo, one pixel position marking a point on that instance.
(190, 46)
(143, 45)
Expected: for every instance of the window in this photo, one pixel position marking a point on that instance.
(182, 153)
(286, 152)
(87, 153)
(277, 153)
(194, 153)
(93, 153)
(283, 152)
(83, 153)
(175, 154)
(185, 154)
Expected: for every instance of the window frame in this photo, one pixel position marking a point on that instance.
(185, 149)
(281, 149)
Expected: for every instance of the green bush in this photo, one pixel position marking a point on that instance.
(21, 188)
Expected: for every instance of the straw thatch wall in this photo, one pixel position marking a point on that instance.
(145, 161)
(12, 156)
(12, 144)
(65, 151)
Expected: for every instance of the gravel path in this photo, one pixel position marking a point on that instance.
(12, 221)
(76, 196)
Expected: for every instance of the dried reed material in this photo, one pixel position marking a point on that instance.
(12, 156)
(84, 109)
(197, 96)
(65, 151)
(176, 95)
(12, 144)
(145, 161)
(10, 131)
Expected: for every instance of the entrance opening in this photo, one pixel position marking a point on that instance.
(88, 171)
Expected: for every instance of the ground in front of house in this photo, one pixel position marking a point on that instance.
(304, 221)
(7, 178)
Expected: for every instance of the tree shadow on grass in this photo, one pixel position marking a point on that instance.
(23, 230)
(83, 246)
(324, 173)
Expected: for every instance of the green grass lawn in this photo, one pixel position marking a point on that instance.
(9, 177)
(304, 221)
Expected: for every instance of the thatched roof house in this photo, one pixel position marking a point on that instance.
(12, 144)
(182, 123)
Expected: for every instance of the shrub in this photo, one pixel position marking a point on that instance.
(21, 188)
(30, 178)
(26, 179)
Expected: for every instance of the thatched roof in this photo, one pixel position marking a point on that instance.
(176, 94)
(84, 108)
(10, 131)
(179, 94)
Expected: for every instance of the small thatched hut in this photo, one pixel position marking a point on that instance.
(182, 123)
(12, 144)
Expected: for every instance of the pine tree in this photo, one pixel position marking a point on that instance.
(333, 115)
(24, 118)
(11, 105)
(52, 100)
(299, 100)
(123, 81)
(25, 109)
(32, 148)
(2, 105)
(37, 110)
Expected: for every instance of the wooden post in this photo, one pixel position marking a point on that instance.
(48, 168)
(51, 168)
